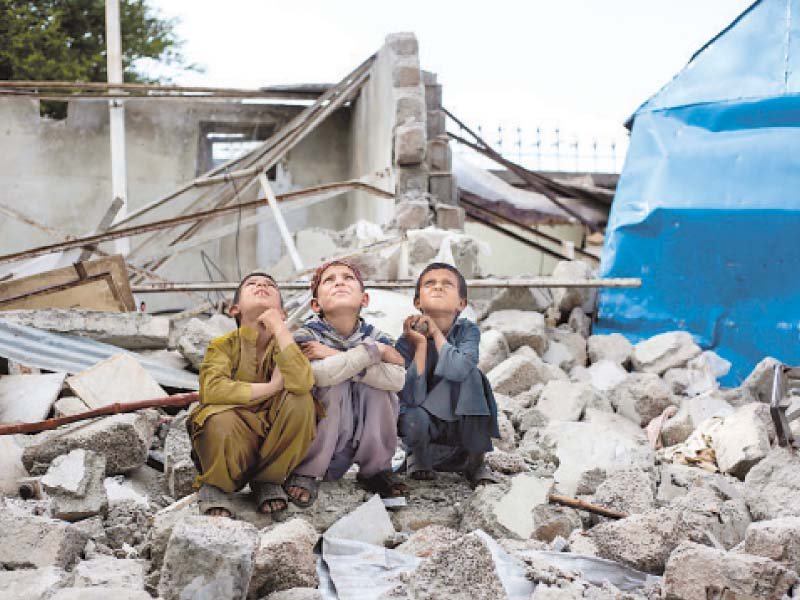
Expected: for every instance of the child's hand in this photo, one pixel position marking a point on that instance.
(272, 320)
(317, 350)
(413, 336)
(390, 355)
(427, 324)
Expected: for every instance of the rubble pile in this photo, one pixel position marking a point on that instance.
(707, 499)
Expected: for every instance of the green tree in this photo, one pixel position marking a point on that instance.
(65, 40)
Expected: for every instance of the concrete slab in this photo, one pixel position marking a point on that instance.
(28, 398)
(120, 378)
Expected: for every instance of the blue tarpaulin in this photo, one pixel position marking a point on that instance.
(707, 209)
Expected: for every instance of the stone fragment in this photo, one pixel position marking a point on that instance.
(447, 215)
(405, 71)
(99, 593)
(515, 298)
(32, 584)
(369, 523)
(565, 299)
(629, 490)
(107, 571)
(409, 107)
(119, 379)
(698, 572)
(605, 375)
(741, 441)
(603, 444)
(509, 463)
(759, 382)
(123, 439)
(38, 542)
(579, 322)
(507, 512)
(412, 214)
(640, 397)
(691, 413)
(565, 400)
(221, 564)
(507, 441)
(284, 559)
(11, 467)
(613, 347)
(492, 351)
(711, 516)
(178, 466)
(131, 330)
(464, 566)
(520, 372)
(195, 335)
(520, 328)
(664, 351)
(74, 482)
(28, 398)
(411, 182)
(69, 405)
(402, 44)
(296, 594)
(778, 540)
(424, 542)
(553, 521)
(424, 245)
(127, 524)
(573, 348)
(409, 143)
(772, 487)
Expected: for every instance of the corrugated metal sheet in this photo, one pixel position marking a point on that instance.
(71, 354)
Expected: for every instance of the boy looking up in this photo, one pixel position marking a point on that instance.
(446, 400)
(255, 420)
(357, 373)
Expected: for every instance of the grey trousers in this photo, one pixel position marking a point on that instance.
(359, 427)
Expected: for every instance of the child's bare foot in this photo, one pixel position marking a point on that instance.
(218, 512)
(272, 506)
(385, 484)
(270, 497)
(302, 490)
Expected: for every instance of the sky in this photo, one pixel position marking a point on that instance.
(579, 66)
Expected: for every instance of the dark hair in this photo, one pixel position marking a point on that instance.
(238, 291)
(462, 283)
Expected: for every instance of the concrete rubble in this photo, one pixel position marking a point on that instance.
(708, 493)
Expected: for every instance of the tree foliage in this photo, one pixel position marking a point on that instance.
(65, 40)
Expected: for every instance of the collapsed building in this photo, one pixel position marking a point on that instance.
(628, 470)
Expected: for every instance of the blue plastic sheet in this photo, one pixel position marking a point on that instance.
(707, 210)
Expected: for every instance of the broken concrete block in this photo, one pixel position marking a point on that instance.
(443, 187)
(712, 516)
(492, 351)
(440, 158)
(412, 214)
(554, 521)
(222, 559)
(773, 485)
(178, 466)
(664, 351)
(759, 382)
(464, 566)
(99, 593)
(38, 542)
(579, 322)
(193, 339)
(613, 347)
(640, 397)
(405, 72)
(424, 245)
(506, 511)
(123, 439)
(409, 144)
(520, 372)
(284, 559)
(520, 328)
(691, 413)
(296, 594)
(412, 181)
(107, 571)
(11, 467)
(570, 349)
(32, 584)
(515, 298)
(604, 444)
(604, 375)
(69, 405)
(167, 358)
(565, 400)
(741, 441)
(778, 540)
(449, 217)
(508, 463)
(131, 330)
(369, 523)
(28, 398)
(74, 482)
(119, 379)
(629, 490)
(696, 571)
(565, 299)
(507, 441)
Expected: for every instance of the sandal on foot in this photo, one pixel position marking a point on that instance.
(481, 476)
(384, 483)
(211, 497)
(269, 492)
(309, 484)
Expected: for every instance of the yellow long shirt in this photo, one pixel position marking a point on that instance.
(231, 364)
